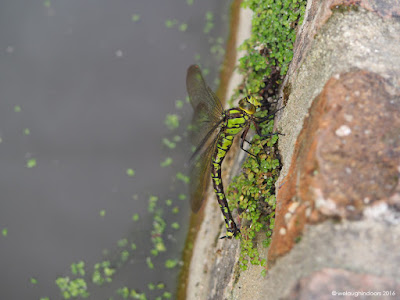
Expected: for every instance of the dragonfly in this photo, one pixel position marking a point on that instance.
(212, 132)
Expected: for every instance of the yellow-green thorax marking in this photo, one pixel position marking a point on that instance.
(234, 120)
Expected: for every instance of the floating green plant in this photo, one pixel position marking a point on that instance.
(130, 172)
(31, 163)
(102, 273)
(172, 121)
(33, 280)
(167, 162)
(135, 217)
(159, 226)
(127, 293)
(171, 263)
(171, 23)
(183, 27)
(209, 24)
(122, 242)
(78, 268)
(179, 104)
(152, 203)
(135, 18)
(72, 288)
(124, 255)
(185, 179)
(149, 263)
(169, 144)
(133, 246)
(175, 225)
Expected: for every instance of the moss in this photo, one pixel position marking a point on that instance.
(345, 8)
(270, 47)
(253, 195)
(269, 52)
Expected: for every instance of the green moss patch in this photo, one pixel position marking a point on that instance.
(269, 52)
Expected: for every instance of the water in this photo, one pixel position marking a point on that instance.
(85, 87)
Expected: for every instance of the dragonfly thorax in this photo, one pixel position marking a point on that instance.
(246, 105)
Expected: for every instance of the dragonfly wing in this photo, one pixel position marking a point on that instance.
(207, 107)
(200, 171)
(203, 145)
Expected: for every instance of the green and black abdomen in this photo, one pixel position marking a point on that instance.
(234, 121)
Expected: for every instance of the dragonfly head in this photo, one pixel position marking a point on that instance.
(247, 105)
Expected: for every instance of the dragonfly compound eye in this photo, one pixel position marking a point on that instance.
(245, 105)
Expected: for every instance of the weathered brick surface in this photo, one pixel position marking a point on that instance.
(337, 283)
(347, 156)
(318, 13)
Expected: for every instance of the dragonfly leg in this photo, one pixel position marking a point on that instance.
(243, 139)
(269, 115)
(258, 121)
(258, 130)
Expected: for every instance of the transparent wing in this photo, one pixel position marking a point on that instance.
(200, 171)
(207, 107)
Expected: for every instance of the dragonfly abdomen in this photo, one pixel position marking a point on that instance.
(236, 120)
(223, 145)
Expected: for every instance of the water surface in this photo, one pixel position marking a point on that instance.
(85, 87)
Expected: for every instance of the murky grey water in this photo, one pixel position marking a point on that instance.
(85, 87)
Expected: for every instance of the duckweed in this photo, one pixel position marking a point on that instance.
(102, 273)
(135, 18)
(175, 225)
(17, 108)
(78, 268)
(135, 217)
(179, 104)
(122, 242)
(171, 263)
(185, 179)
(149, 263)
(72, 288)
(172, 121)
(130, 172)
(169, 144)
(209, 17)
(31, 163)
